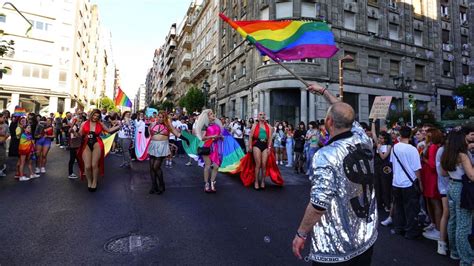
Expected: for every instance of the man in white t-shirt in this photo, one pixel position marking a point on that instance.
(405, 195)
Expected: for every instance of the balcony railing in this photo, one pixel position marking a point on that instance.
(203, 68)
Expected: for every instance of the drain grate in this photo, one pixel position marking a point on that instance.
(131, 243)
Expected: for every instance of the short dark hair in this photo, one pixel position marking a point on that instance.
(405, 132)
(468, 128)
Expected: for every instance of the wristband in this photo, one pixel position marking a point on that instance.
(301, 235)
(324, 90)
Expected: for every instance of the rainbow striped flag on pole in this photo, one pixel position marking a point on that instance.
(122, 99)
(287, 40)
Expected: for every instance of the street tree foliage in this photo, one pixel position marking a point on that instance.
(193, 100)
(167, 105)
(467, 92)
(107, 103)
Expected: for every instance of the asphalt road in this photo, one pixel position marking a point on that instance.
(55, 221)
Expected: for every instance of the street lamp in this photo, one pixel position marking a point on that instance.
(21, 14)
(205, 89)
(403, 84)
(345, 59)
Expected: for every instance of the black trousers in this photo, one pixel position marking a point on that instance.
(58, 135)
(364, 259)
(72, 158)
(407, 207)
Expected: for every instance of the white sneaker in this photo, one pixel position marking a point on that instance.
(442, 248)
(43, 170)
(34, 176)
(24, 178)
(429, 228)
(454, 257)
(72, 176)
(387, 221)
(2, 174)
(189, 163)
(37, 170)
(433, 234)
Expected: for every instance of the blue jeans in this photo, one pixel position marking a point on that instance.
(289, 151)
(310, 151)
(459, 225)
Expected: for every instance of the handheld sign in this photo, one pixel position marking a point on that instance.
(380, 107)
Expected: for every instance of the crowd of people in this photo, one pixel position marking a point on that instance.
(418, 172)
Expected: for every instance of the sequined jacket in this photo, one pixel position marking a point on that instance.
(342, 177)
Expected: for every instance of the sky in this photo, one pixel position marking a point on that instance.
(138, 27)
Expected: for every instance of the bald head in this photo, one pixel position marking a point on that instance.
(342, 114)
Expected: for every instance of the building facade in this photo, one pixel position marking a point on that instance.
(139, 103)
(425, 41)
(59, 64)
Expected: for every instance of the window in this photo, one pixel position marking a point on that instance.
(393, 32)
(444, 11)
(463, 15)
(419, 72)
(233, 108)
(45, 73)
(465, 73)
(394, 68)
(62, 76)
(373, 64)
(244, 69)
(447, 68)
(349, 20)
(445, 36)
(3, 18)
(418, 37)
(265, 60)
(372, 2)
(350, 65)
(308, 9)
(244, 104)
(26, 71)
(265, 14)
(464, 39)
(373, 26)
(284, 9)
(36, 72)
(39, 25)
(234, 76)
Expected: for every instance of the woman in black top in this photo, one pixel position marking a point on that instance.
(299, 139)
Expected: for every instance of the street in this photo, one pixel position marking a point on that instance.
(55, 220)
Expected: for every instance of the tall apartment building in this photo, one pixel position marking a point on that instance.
(425, 41)
(184, 53)
(139, 103)
(60, 64)
(167, 66)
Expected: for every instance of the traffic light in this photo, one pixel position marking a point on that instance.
(412, 101)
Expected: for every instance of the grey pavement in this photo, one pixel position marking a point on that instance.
(53, 220)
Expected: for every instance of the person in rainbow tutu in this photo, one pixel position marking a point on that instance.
(213, 147)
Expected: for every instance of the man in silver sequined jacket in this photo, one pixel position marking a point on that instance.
(342, 213)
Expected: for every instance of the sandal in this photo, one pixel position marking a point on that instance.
(213, 187)
(207, 188)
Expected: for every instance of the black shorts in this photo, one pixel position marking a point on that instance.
(261, 145)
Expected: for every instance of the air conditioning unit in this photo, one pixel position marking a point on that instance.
(466, 60)
(448, 74)
(445, 16)
(450, 57)
(466, 47)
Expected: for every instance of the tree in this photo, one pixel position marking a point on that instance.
(193, 100)
(167, 106)
(6, 47)
(467, 92)
(107, 103)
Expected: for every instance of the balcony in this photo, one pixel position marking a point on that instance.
(169, 80)
(187, 43)
(203, 68)
(185, 76)
(186, 59)
(305, 70)
(188, 27)
(170, 58)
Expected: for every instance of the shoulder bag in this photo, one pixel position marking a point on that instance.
(415, 185)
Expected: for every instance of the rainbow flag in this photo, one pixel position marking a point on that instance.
(287, 40)
(19, 111)
(122, 99)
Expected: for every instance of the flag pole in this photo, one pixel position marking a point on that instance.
(293, 73)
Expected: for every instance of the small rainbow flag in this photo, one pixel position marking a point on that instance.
(122, 99)
(287, 40)
(19, 111)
